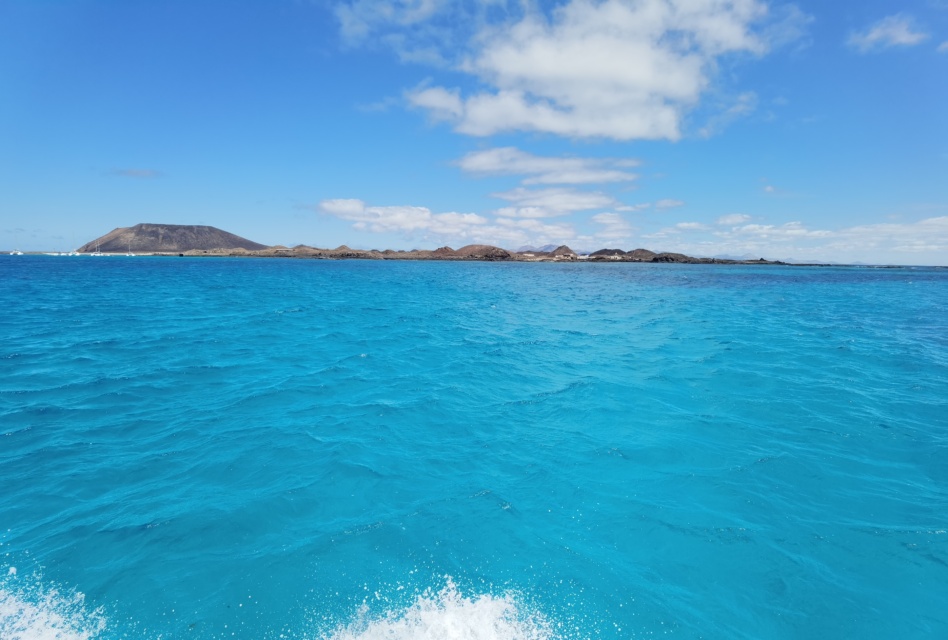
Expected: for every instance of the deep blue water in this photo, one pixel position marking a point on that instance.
(216, 448)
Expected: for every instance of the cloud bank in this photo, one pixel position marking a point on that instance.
(893, 243)
(401, 219)
(547, 170)
(885, 243)
(613, 69)
(420, 224)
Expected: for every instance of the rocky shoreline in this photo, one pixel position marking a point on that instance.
(473, 252)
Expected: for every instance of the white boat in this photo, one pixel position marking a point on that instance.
(16, 240)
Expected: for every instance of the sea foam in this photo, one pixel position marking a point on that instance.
(448, 614)
(30, 611)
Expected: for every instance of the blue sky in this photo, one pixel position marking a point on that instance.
(808, 130)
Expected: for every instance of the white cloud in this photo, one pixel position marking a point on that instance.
(345, 208)
(613, 228)
(509, 233)
(780, 232)
(441, 103)
(544, 229)
(929, 236)
(611, 69)
(360, 18)
(943, 47)
(634, 207)
(460, 228)
(542, 203)
(547, 170)
(691, 226)
(921, 242)
(612, 219)
(733, 219)
(668, 203)
(892, 31)
(526, 212)
(400, 219)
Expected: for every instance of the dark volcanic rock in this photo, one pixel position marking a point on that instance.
(673, 257)
(641, 255)
(607, 252)
(356, 253)
(483, 252)
(168, 238)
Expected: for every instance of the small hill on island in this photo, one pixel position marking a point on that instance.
(641, 255)
(168, 238)
(483, 252)
(563, 251)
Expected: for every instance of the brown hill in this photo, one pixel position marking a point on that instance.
(563, 251)
(168, 238)
(672, 257)
(483, 252)
(641, 255)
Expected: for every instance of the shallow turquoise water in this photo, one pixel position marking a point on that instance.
(275, 448)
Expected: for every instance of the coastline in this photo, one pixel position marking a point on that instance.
(203, 241)
(421, 255)
(472, 253)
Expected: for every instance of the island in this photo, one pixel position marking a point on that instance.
(206, 241)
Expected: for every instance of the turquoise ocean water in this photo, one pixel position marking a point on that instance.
(218, 448)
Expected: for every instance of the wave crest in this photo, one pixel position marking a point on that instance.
(31, 612)
(450, 615)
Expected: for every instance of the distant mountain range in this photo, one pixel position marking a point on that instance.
(531, 249)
